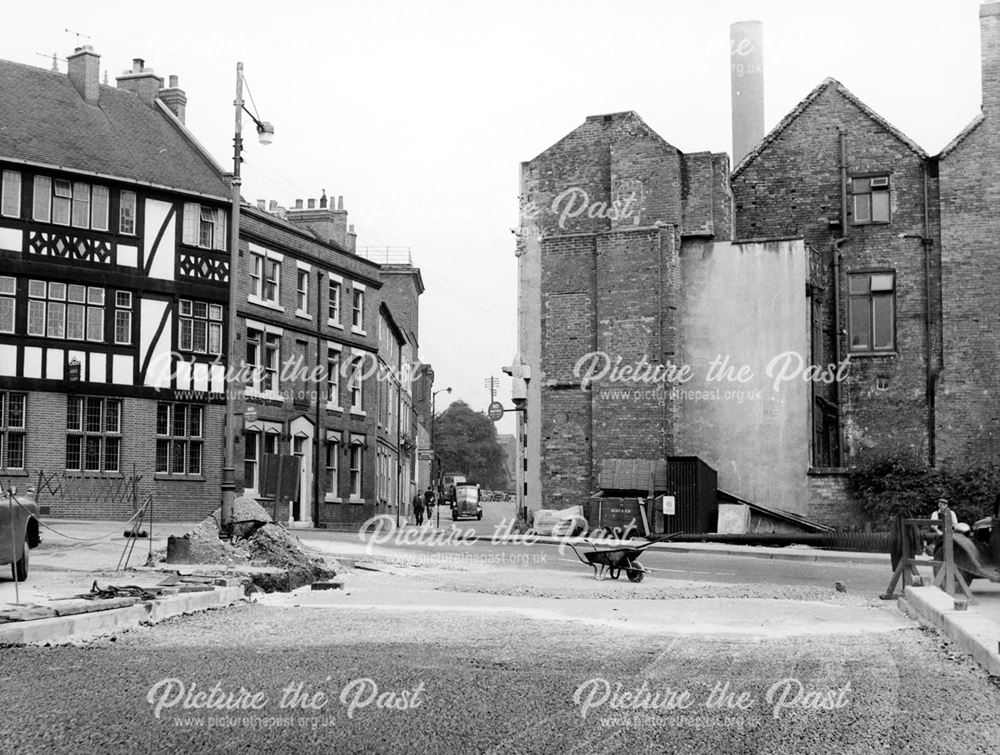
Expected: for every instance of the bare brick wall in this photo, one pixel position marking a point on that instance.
(829, 501)
(793, 188)
(969, 401)
(636, 313)
(610, 283)
(93, 495)
(566, 444)
(401, 292)
(698, 204)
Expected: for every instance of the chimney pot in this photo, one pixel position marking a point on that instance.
(262, 204)
(322, 200)
(312, 204)
(340, 202)
(173, 81)
(273, 206)
(298, 204)
(137, 65)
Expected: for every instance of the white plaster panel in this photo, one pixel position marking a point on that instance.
(32, 362)
(54, 364)
(183, 372)
(11, 239)
(8, 359)
(201, 376)
(128, 255)
(121, 369)
(98, 372)
(163, 258)
(218, 378)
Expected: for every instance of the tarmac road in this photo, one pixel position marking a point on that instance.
(313, 677)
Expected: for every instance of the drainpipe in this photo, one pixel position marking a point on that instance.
(319, 434)
(837, 329)
(927, 242)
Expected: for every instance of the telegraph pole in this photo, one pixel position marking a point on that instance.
(493, 384)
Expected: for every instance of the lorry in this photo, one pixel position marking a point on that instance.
(448, 483)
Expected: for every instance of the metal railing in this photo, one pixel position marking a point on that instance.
(386, 255)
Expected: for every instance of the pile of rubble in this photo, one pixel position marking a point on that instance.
(260, 549)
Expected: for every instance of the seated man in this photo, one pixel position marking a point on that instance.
(938, 515)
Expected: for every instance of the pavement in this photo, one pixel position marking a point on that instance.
(74, 555)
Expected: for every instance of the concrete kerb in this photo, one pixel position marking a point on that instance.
(970, 631)
(750, 551)
(66, 628)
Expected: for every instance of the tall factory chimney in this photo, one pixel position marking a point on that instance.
(746, 53)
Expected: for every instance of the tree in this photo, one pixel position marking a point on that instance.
(466, 441)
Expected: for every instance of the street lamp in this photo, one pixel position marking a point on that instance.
(434, 456)
(265, 133)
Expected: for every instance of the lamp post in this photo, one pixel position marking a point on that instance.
(265, 133)
(434, 456)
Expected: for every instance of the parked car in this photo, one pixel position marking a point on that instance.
(18, 530)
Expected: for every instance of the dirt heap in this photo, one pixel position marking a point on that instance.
(274, 546)
(271, 557)
(203, 546)
(248, 517)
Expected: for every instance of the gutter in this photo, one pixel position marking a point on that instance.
(837, 330)
(927, 243)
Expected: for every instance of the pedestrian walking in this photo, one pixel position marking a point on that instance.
(418, 509)
(429, 501)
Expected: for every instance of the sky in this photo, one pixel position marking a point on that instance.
(419, 113)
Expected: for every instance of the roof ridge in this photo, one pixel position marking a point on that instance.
(972, 126)
(804, 104)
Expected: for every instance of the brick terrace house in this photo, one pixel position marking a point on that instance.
(308, 311)
(113, 281)
(314, 301)
(893, 250)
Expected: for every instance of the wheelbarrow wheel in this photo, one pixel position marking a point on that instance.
(636, 573)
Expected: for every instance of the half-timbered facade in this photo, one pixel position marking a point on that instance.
(113, 286)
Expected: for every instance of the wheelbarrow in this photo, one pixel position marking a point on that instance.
(614, 560)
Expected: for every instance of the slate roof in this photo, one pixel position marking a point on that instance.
(953, 144)
(804, 105)
(44, 119)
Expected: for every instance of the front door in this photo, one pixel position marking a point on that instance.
(300, 512)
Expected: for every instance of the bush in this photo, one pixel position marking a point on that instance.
(891, 485)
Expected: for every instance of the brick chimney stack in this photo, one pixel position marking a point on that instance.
(989, 32)
(329, 223)
(174, 98)
(84, 72)
(141, 80)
